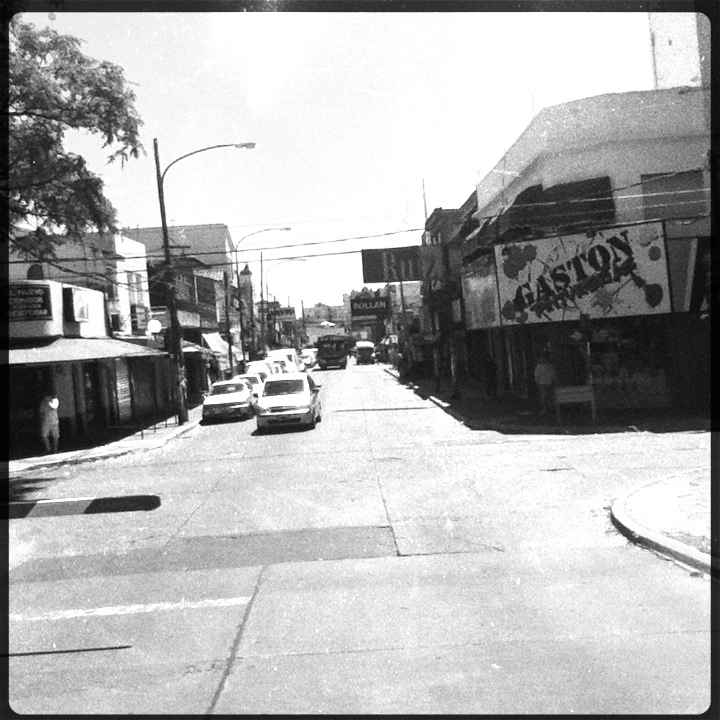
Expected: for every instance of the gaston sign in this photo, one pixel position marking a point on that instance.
(610, 273)
(391, 264)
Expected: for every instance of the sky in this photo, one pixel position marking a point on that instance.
(363, 122)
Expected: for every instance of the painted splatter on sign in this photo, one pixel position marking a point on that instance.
(609, 273)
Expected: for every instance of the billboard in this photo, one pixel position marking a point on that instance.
(391, 264)
(29, 302)
(480, 295)
(369, 307)
(285, 314)
(607, 273)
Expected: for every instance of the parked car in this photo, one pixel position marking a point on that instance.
(260, 367)
(255, 381)
(292, 399)
(228, 399)
(290, 355)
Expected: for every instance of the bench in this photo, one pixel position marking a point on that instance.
(575, 395)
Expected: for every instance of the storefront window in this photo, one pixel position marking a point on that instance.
(627, 360)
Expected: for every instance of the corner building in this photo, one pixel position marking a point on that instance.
(593, 244)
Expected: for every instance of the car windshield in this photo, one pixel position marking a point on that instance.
(226, 389)
(283, 387)
(333, 346)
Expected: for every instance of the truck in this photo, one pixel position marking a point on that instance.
(332, 351)
(365, 352)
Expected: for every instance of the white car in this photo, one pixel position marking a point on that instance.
(228, 399)
(290, 399)
(295, 364)
(259, 367)
(255, 381)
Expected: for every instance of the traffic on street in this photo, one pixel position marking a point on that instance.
(391, 560)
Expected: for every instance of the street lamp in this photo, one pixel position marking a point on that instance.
(237, 276)
(267, 294)
(175, 334)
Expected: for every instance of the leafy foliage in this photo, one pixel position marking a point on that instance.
(53, 87)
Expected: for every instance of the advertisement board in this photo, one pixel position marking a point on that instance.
(392, 265)
(29, 302)
(372, 307)
(480, 295)
(284, 314)
(614, 272)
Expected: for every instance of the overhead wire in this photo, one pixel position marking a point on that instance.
(575, 215)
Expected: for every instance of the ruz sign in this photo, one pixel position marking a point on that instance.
(611, 273)
(391, 265)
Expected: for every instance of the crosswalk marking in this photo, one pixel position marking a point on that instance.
(130, 609)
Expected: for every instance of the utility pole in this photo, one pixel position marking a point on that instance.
(175, 331)
(231, 359)
(262, 309)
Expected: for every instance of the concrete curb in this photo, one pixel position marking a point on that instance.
(121, 447)
(79, 506)
(657, 541)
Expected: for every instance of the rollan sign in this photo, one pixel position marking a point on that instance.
(392, 264)
(609, 273)
(376, 307)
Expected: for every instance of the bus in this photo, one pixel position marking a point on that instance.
(332, 351)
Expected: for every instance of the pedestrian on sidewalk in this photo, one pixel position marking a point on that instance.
(49, 423)
(545, 381)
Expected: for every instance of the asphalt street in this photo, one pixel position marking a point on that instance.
(392, 560)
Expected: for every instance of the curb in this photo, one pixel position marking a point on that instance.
(121, 447)
(79, 506)
(657, 541)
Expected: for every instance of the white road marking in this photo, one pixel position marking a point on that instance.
(131, 609)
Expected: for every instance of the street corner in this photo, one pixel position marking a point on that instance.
(647, 519)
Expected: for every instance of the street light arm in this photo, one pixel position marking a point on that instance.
(248, 146)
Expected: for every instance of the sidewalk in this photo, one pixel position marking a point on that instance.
(146, 439)
(672, 516)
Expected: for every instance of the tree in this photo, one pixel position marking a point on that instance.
(53, 87)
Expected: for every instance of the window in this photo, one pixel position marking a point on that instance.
(674, 195)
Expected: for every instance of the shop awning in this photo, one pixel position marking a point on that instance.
(218, 345)
(188, 347)
(62, 349)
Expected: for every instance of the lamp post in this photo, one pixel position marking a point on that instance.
(267, 295)
(237, 277)
(175, 332)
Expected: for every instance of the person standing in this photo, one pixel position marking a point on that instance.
(49, 423)
(545, 381)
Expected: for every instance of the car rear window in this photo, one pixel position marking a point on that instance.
(225, 389)
(283, 387)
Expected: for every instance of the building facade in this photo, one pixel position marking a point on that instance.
(594, 245)
(58, 344)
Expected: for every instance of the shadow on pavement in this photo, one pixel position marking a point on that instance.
(513, 416)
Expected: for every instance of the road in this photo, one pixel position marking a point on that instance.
(390, 561)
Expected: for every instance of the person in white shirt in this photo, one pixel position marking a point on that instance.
(49, 423)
